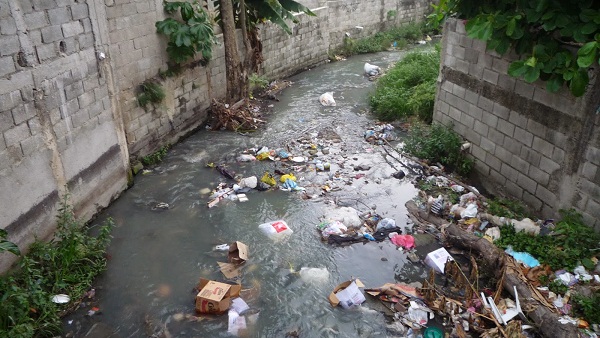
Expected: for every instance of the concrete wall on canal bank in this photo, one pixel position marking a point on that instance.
(529, 144)
(70, 71)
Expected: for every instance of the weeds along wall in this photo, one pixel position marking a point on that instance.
(70, 74)
(539, 147)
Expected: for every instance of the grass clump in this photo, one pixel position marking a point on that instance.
(257, 82)
(157, 156)
(151, 92)
(408, 89)
(66, 265)
(570, 244)
(505, 207)
(438, 144)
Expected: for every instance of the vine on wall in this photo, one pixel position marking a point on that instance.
(558, 41)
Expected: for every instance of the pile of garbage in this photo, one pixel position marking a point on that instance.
(469, 213)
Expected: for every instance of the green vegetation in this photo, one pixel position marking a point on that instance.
(438, 143)
(157, 156)
(151, 92)
(587, 307)
(381, 41)
(65, 265)
(504, 207)
(193, 34)
(543, 33)
(6, 245)
(391, 14)
(408, 89)
(571, 243)
(257, 82)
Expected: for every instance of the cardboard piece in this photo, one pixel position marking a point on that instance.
(347, 294)
(437, 259)
(398, 288)
(238, 255)
(229, 270)
(215, 297)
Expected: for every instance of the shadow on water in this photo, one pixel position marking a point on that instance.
(157, 257)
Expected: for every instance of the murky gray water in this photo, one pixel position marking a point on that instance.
(157, 257)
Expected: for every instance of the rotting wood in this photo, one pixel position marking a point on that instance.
(538, 310)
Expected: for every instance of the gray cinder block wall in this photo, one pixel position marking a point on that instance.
(539, 147)
(70, 71)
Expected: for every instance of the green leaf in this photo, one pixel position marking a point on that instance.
(547, 16)
(579, 82)
(589, 28)
(554, 84)
(532, 74)
(517, 68)
(510, 27)
(502, 47)
(487, 31)
(562, 20)
(187, 12)
(586, 55)
(531, 62)
(10, 247)
(541, 6)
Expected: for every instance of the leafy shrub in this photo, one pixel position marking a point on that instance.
(67, 264)
(381, 41)
(257, 82)
(571, 242)
(437, 143)
(587, 307)
(408, 89)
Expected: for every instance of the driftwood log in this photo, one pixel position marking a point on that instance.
(533, 304)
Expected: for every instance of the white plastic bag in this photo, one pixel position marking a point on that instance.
(314, 275)
(276, 230)
(386, 223)
(249, 182)
(326, 99)
(347, 215)
(372, 70)
(470, 211)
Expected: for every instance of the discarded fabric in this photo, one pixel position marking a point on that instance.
(523, 257)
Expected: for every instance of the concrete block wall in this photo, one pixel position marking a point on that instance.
(57, 131)
(313, 37)
(138, 54)
(529, 144)
(70, 73)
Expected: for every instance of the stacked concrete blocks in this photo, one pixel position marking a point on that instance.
(521, 134)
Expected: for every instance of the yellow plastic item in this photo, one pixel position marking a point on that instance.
(268, 179)
(286, 176)
(262, 156)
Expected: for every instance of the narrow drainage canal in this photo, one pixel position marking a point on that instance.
(157, 257)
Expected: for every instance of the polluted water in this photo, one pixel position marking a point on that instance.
(166, 237)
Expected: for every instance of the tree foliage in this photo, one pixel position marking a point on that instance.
(192, 34)
(557, 41)
(275, 11)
